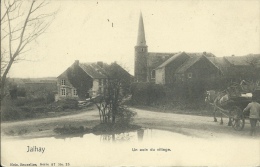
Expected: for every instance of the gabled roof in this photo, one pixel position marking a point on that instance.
(154, 59)
(191, 55)
(172, 59)
(188, 63)
(93, 70)
(221, 63)
(64, 73)
(206, 54)
(244, 60)
(114, 69)
(98, 71)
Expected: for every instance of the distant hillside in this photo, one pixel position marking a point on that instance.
(20, 81)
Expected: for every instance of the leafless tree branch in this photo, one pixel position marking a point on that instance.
(21, 28)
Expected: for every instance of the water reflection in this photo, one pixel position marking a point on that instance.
(75, 148)
(140, 134)
(117, 137)
(137, 135)
(124, 137)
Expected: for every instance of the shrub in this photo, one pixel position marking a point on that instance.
(21, 92)
(21, 101)
(68, 104)
(125, 116)
(146, 93)
(50, 97)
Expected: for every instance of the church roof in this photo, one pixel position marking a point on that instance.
(141, 35)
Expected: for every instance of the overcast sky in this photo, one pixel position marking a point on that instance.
(82, 30)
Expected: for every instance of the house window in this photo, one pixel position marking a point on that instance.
(153, 74)
(75, 92)
(63, 92)
(190, 75)
(63, 82)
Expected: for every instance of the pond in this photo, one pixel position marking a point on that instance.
(141, 147)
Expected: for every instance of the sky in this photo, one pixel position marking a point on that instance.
(82, 30)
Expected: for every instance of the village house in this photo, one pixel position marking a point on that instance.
(166, 68)
(85, 80)
(185, 66)
(237, 68)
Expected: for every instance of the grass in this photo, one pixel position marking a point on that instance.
(30, 110)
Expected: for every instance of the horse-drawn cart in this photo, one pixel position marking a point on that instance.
(233, 109)
(232, 105)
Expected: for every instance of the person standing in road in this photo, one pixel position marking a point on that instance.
(254, 115)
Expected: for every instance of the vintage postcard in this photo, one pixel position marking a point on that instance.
(130, 83)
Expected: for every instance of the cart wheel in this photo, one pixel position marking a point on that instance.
(237, 118)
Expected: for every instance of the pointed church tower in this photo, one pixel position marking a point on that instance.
(141, 52)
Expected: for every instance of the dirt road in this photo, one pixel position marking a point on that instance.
(197, 126)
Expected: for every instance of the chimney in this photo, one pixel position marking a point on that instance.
(100, 63)
(76, 62)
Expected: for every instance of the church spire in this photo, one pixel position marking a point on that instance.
(141, 35)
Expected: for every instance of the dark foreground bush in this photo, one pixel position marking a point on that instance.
(125, 115)
(146, 93)
(11, 112)
(67, 104)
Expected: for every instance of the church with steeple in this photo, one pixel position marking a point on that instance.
(141, 53)
(165, 68)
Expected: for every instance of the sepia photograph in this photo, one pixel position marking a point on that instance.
(130, 83)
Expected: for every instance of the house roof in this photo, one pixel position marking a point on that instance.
(154, 59)
(191, 55)
(188, 63)
(221, 63)
(115, 68)
(244, 60)
(174, 57)
(206, 54)
(93, 70)
(98, 71)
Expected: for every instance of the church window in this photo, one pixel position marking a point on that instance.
(153, 74)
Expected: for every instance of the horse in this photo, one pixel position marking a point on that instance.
(218, 99)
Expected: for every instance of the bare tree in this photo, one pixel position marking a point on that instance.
(110, 101)
(22, 22)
